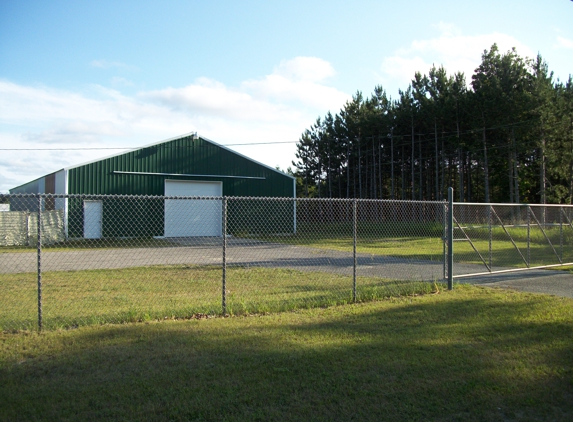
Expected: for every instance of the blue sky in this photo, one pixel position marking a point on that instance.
(122, 74)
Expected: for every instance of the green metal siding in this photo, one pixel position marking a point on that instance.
(184, 155)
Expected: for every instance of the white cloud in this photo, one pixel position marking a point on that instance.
(209, 97)
(74, 132)
(404, 68)
(24, 104)
(119, 81)
(274, 108)
(311, 69)
(299, 81)
(455, 51)
(565, 42)
(62, 114)
(106, 64)
(294, 86)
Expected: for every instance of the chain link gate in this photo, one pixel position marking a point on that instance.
(499, 238)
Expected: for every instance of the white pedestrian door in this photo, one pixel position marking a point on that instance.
(193, 217)
(93, 211)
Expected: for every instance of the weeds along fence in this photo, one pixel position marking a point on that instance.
(113, 259)
(71, 260)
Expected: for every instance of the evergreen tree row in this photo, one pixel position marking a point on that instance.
(507, 137)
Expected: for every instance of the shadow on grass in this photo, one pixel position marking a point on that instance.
(486, 356)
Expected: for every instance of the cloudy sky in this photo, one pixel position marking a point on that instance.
(81, 80)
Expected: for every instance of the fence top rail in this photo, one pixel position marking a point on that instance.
(273, 198)
(507, 204)
(259, 198)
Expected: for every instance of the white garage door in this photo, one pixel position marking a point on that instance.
(192, 217)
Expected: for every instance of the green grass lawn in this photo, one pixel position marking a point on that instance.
(424, 241)
(472, 354)
(76, 298)
(421, 240)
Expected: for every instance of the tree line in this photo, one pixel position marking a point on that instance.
(505, 137)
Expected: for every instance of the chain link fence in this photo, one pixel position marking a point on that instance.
(114, 259)
(71, 260)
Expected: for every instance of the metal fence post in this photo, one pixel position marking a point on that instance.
(444, 240)
(489, 213)
(39, 250)
(354, 235)
(224, 281)
(528, 236)
(561, 233)
(450, 238)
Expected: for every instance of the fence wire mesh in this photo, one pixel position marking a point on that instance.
(115, 259)
(71, 260)
(505, 237)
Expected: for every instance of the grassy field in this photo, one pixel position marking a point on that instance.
(471, 354)
(76, 298)
(424, 241)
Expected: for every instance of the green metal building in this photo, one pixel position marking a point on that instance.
(185, 166)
